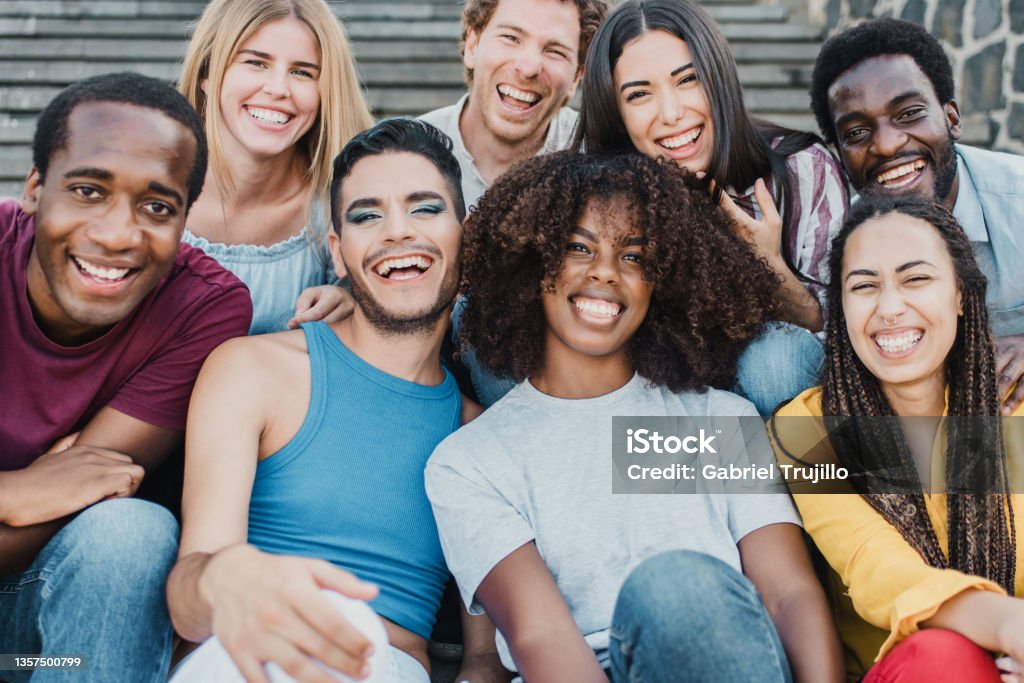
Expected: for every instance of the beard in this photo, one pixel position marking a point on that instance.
(417, 323)
(945, 169)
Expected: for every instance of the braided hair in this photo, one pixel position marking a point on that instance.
(982, 535)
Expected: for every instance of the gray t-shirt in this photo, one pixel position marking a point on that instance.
(538, 468)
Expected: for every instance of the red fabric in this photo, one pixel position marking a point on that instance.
(935, 655)
(144, 366)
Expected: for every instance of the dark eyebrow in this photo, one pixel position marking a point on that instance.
(861, 271)
(583, 232)
(913, 264)
(264, 55)
(681, 69)
(891, 104)
(634, 241)
(90, 172)
(676, 72)
(160, 188)
(424, 194)
(363, 203)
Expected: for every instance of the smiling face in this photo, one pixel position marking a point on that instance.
(901, 302)
(108, 218)
(600, 297)
(662, 104)
(399, 242)
(892, 132)
(525, 68)
(270, 94)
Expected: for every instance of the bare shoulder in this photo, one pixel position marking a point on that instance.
(255, 363)
(470, 409)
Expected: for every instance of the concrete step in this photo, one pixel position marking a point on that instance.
(373, 75)
(428, 29)
(173, 49)
(388, 10)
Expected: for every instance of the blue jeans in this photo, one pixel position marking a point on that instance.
(783, 361)
(96, 589)
(685, 616)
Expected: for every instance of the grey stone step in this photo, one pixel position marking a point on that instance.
(160, 49)
(432, 29)
(373, 75)
(390, 9)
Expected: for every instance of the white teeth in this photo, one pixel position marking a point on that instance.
(267, 115)
(517, 94)
(598, 307)
(680, 140)
(899, 172)
(101, 273)
(897, 343)
(386, 266)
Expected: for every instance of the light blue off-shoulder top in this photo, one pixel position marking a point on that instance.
(275, 274)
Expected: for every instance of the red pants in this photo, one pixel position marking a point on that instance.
(935, 655)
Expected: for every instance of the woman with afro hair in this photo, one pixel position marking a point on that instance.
(923, 558)
(611, 286)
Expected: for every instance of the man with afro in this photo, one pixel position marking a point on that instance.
(883, 94)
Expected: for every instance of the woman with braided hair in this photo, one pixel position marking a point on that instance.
(924, 558)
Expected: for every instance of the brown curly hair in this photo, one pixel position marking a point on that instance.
(710, 292)
(477, 14)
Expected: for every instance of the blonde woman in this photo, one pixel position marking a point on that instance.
(279, 96)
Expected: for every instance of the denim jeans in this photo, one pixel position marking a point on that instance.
(96, 589)
(783, 361)
(685, 616)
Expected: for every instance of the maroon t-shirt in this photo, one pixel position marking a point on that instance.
(144, 366)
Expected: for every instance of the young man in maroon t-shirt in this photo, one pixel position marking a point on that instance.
(104, 322)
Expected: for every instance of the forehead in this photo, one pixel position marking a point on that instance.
(874, 82)
(392, 174)
(553, 20)
(128, 138)
(653, 50)
(886, 242)
(287, 36)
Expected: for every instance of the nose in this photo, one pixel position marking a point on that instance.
(670, 108)
(276, 84)
(397, 227)
(891, 304)
(117, 230)
(604, 269)
(529, 62)
(887, 140)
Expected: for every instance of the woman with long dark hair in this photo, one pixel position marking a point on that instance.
(660, 78)
(924, 558)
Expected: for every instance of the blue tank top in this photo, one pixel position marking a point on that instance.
(348, 488)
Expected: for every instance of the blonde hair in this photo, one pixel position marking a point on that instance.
(216, 38)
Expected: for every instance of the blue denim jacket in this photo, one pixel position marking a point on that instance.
(989, 202)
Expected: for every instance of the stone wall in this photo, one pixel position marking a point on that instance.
(985, 41)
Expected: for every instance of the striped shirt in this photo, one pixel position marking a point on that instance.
(819, 186)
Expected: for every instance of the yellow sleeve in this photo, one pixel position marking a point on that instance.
(889, 583)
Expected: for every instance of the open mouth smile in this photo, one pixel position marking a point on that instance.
(678, 141)
(597, 310)
(899, 343)
(101, 274)
(902, 175)
(268, 116)
(401, 268)
(520, 100)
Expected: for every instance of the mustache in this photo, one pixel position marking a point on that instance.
(389, 252)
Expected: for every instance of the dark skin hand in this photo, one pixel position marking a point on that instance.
(1010, 366)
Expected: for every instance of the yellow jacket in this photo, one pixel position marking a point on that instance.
(880, 587)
